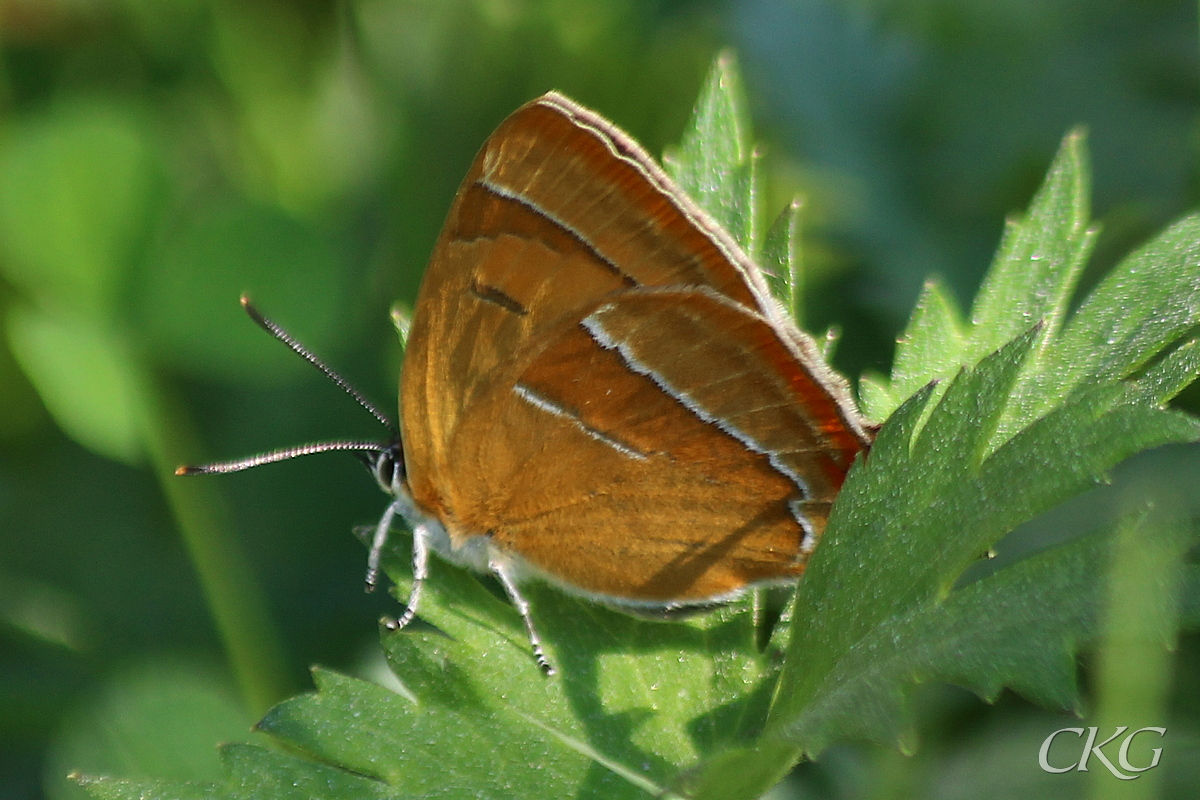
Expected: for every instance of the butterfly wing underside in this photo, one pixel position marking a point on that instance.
(598, 379)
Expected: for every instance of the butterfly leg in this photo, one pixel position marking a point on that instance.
(420, 565)
(501, 570)
(420, 562)
(377, 542)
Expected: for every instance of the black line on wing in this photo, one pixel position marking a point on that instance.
(490, 294)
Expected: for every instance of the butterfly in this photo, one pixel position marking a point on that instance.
(599, 390)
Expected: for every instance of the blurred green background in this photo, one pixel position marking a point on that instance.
(160, 157)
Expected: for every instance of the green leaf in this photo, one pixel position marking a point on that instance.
(876, 397)
(1144, 306)
(1002, 630)
(125, 789)
(1040, 257)
(161, 718)
(780, 260)
(1174, 373)
(932, 347)
(255, 772)
(87, 378)
(1008, 439)
(1148, 302)
(923, 517)
(1030, 281)
(877, 505)
(714, 163)
(715, 166)
(403, 743)
(746, 772)
(401, 316)
(634, 704)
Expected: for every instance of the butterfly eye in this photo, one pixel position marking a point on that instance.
(388, 468)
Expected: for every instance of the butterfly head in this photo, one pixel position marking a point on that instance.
(386, 464)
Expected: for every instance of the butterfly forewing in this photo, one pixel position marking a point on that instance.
(594, 181)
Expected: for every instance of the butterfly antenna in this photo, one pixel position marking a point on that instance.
(283, 454)
(302, 351)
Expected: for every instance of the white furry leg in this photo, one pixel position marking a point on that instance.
(377, 543)
(522, 605)
(420, 565)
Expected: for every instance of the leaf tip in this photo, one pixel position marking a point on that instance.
(726, 59)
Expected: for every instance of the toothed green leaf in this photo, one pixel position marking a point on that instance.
(933, 345)
(781, 261)
(714, 163)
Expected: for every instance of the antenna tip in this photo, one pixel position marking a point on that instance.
(186, 470)
(244, 300)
